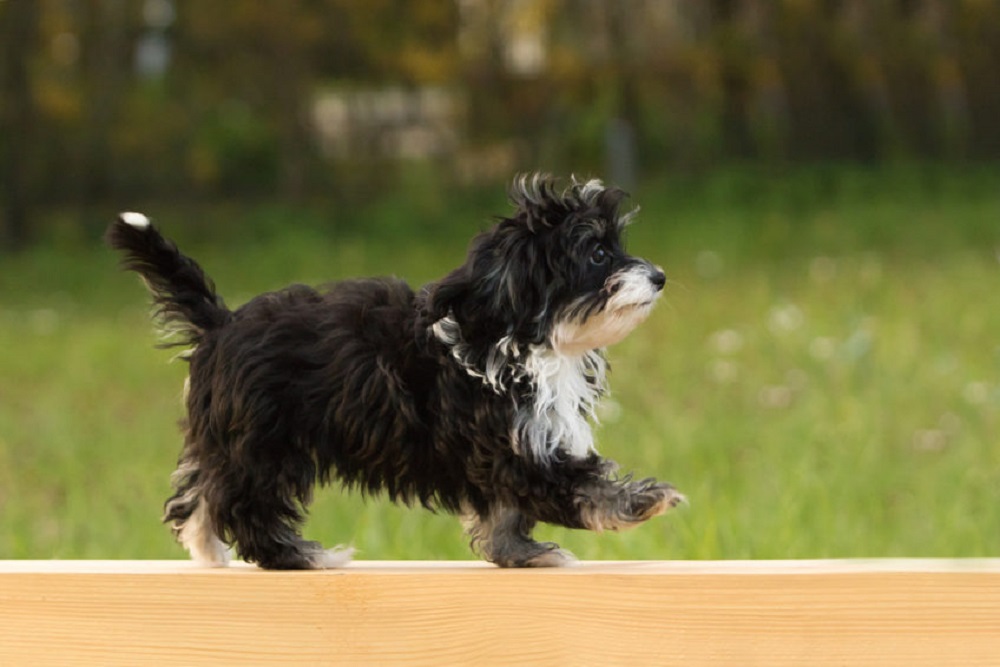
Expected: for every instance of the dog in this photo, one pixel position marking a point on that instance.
(473, 395)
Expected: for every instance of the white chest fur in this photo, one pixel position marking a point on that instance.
(565, 391)
(558, 417)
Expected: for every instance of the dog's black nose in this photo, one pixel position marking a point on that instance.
(659, 279)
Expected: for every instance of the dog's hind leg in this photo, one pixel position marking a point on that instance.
(280, 547)
(189, 517)
(265, 531)
(200, 539)
(274, 545)
(503, 536)
(262, 526)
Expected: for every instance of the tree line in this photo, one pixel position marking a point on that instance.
(106, 99)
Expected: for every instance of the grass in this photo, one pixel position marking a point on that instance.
(822, 379)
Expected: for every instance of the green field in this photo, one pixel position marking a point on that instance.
(822, 378)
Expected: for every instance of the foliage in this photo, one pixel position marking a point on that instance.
(541, 81)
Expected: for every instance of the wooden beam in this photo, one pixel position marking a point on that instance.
(895, 612)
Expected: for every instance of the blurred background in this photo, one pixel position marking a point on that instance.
(818, 177)
(108, 100)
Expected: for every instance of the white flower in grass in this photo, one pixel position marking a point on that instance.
(822, 348)
(939, 437)
(861, 341)
(781, 396)
(976, 393)
(930, 440)
(726, 341)
(785, 318)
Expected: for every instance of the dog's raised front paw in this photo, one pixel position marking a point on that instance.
(658, 499)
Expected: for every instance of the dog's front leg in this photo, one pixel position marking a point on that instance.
(588, 493)
(503, 537)
(611, 504)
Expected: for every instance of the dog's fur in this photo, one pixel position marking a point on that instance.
(471, 395)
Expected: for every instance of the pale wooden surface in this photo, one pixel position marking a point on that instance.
(902, 612)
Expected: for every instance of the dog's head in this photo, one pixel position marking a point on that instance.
(554, 273)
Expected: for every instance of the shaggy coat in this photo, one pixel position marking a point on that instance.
(471, 395)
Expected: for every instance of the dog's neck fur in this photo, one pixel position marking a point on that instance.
(565, 394)
(553, 415)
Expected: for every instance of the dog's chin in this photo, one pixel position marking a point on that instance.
(575, 337)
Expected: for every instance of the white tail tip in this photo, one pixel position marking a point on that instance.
(137, 220)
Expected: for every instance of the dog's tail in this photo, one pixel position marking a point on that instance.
(184, 297)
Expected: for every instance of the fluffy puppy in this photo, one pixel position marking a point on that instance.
(472, 395)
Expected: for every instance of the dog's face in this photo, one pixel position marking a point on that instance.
(554, 273)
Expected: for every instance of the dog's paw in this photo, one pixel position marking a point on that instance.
(553, 557)
(329, 559)
(631, 504)
(534, 554)
(658, 498)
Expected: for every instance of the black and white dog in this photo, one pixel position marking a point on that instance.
(472, 395)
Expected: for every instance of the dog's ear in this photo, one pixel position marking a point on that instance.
(447, 295)
(497, 292)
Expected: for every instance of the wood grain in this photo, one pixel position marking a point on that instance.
(894, 612)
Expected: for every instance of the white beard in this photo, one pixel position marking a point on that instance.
(630, 304)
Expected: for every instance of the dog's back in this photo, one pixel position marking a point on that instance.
(323, 384)
(296, 386)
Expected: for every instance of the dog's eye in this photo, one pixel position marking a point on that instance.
(599, 256)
